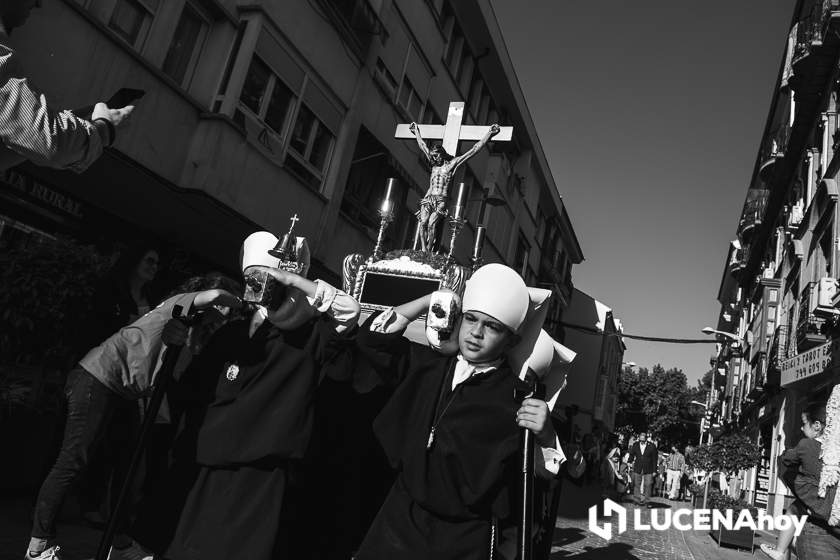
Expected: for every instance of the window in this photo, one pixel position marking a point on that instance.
(131, 19)
(266, 96)
(283, 108)
(410, 100)
(184, 49)
(430, 116)
(520, 259)
(309, 148)
(385, 80)
(370, 169)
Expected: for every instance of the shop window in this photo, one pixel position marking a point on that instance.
(309, 148)
(131, 19)
(186, 44)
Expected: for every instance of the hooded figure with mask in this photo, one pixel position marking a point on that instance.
(249, 413)
(452, 427)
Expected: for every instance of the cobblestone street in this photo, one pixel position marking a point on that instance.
(572, 538)
(574, 541)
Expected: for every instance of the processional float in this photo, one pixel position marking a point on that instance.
(385, 279)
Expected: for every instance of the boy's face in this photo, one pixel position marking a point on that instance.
(482, 338)
(811, 430)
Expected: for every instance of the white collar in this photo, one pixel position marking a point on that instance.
(465, 369)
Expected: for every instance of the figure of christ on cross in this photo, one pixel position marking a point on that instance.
(444, 165)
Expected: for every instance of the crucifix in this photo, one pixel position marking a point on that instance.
(444, 162)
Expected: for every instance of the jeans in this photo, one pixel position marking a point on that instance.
(674, 484)
(90, 408)
(642, 486)
(817, 543)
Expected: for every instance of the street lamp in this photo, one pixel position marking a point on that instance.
(734, 337)
(704, 405)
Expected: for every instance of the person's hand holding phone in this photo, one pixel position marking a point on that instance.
(115, 112)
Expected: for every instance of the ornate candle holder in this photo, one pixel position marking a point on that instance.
(456, 222)
(386, 216)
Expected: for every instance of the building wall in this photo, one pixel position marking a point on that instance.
(787, 244)
(213, 128)
(592, 380)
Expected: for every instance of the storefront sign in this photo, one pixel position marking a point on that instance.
(43, 193)
(810, 363)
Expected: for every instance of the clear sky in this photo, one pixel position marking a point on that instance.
(650, 113)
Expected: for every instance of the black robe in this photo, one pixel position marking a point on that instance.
(446, 496)
(249, 417)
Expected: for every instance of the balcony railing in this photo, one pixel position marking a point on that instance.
(753, 212)
(738, 260)
(356, 20)
(809, 329)
(759, 377)
(778, 354)
(810, 30)
(772, 149)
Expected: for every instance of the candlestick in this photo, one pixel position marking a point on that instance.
(456, 222)
(386, 216)
(461, 193)
(478, 247)
(390, 186)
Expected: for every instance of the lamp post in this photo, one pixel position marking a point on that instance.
(741, 343)
(734, 337)
(702, 422)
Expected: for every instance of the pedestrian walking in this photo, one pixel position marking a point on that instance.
(674, 472)
(644, 456)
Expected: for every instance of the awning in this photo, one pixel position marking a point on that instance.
(187, 218)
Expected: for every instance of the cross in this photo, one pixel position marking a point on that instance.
(294, 220)
(452, 131)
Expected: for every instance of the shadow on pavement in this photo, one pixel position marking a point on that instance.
(612, 551)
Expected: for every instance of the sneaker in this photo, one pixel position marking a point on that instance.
(49, 553)
(132, 552)
(771, 551)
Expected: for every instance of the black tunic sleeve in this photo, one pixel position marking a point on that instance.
(388, 353)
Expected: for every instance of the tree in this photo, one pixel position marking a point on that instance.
(730, 453)
(658, 401)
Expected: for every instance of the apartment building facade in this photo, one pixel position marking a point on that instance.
(256, 111)
(779, 281)
(594, 333)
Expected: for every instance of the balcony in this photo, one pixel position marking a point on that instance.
(772, 150)
(356, 21)
(753, 214)
(810, 32)
(737, 261)
(810, 328)
(794, 216)
(758, 379)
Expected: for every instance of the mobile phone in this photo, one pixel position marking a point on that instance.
(124, 97)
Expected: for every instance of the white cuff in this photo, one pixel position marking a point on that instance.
(553, 457)
(335, 303)
(387, 322)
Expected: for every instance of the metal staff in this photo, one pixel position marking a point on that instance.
(526, 389)
(164, 377)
